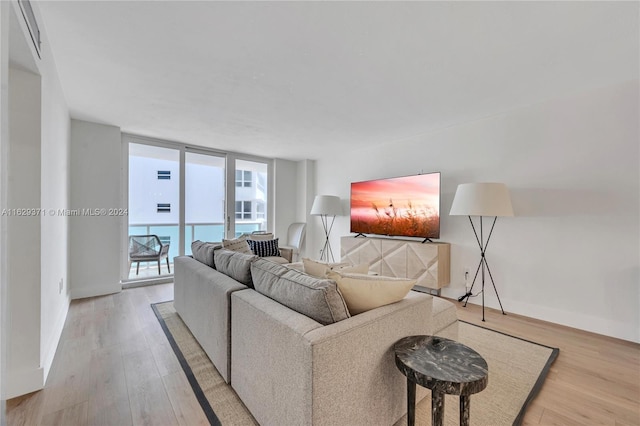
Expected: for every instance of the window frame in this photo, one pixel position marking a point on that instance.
(228, 200)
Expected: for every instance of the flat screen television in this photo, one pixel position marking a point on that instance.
(406, 206)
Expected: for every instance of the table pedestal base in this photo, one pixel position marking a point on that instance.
(437, 407)
(465, 401)
(421, 360)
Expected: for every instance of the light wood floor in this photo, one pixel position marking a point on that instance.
(114, 366)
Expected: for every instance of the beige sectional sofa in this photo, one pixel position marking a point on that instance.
(287, 367)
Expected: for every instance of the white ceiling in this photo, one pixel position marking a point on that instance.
(302, 79)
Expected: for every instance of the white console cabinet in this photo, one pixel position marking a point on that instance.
(427, 263)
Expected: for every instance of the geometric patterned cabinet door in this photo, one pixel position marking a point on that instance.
(427, 263)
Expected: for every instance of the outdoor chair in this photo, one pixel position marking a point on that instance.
(147, 248)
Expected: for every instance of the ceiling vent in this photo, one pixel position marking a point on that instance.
(32, 24)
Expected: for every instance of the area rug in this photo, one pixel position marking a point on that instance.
(517, 369)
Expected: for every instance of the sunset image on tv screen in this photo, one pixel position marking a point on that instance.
(404, 206)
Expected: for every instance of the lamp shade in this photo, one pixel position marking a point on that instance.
(326, 204)
(481, 199)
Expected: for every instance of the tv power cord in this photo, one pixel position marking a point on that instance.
(468, 294)
(464, 296)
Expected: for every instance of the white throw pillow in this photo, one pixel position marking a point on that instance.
(259, 237)
(365, 292)
(321, 269)
(239, 245)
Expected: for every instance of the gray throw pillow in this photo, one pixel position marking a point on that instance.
(203, 252)
(317, 298)
(235, 265)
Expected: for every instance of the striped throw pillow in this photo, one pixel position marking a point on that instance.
(264, 248)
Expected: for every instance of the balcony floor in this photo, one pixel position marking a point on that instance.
(150, 270)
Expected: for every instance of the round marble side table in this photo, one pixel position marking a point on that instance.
(444, 366)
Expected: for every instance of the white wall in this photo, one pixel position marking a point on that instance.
(95, 241)
(35, 249)
(305, 194)
(24, 373)
(4, 182)
(295, 191)
(55, 293)
(284, 210)
(571, 255)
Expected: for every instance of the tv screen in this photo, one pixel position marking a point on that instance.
(403, 206)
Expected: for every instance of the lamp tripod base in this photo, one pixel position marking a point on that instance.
(482, 266)
(326, 251)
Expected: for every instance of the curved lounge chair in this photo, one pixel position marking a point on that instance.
(147, 248)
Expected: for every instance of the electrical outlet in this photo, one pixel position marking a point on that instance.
(60, 285)
(466, 279)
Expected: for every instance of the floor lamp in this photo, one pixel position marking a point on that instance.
(482, 199)
(326, 206)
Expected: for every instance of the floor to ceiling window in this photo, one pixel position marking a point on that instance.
(179, 194)
(251, 197)
(204, 198)
(154, 208)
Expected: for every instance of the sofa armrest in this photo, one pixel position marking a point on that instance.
(202, 298)
(353, 361)
(290, 370)
(270, 359)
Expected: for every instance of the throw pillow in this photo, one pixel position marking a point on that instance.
(365, 292)
(321, 269)
(316, 298)
(260, 237)
(264, 248)
(235, 265)
(203, 252)
(362, 268)
(239, 245)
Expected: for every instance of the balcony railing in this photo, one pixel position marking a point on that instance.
(212, 231)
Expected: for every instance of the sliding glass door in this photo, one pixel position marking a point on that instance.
(154, 208)
(181, 194)
(204, 196)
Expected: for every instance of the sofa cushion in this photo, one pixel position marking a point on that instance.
(239, 244)
(235, 265)
(264, 248)
(278, 259)
(364, 292)
(318, 299)
(203, 252)
(321, 269)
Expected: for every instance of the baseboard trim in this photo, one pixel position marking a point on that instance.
(146, 282)
(95, 291)
(23, 382)
(52, 345)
